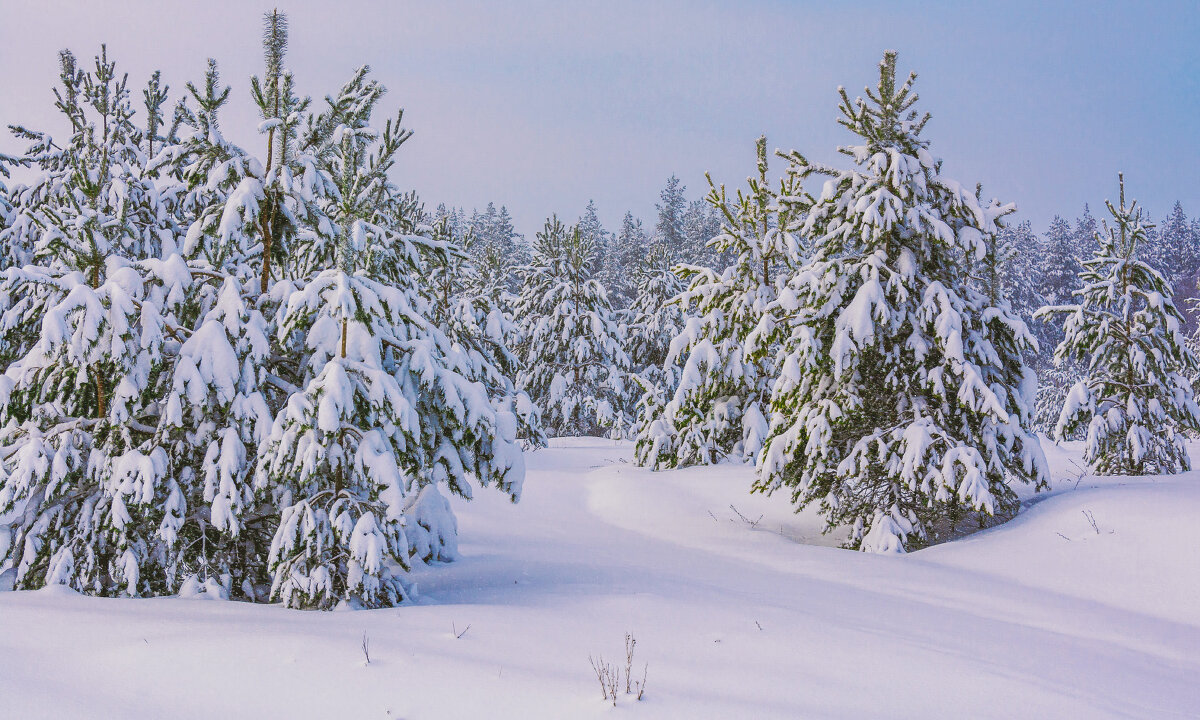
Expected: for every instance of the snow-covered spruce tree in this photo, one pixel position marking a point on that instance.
(574, 365)
(903, 397)
(1177, 256)
(1136, 399)
(726, 351)
(1060, 262)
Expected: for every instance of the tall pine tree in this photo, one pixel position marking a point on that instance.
(574, 363)
(903, 398)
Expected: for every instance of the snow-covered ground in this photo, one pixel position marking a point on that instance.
(1044, 616)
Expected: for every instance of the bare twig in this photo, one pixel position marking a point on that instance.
(458, 635)
(759, 625)
(748, 521)
(1091, 520)
(1064, 537)
(609, 676)
(641, 687)
(366, 648)
(630, 643)
(1082, 473)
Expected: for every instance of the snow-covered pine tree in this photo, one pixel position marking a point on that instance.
(726, 351)
(1060, 259)
(593, 231)
(655, 320)
(90, 326)
(1136, 399)
(575, 367)
(903, 397)
(627, 250)
(702, 223)
(385, 409)
(470, 306)
(149, 386)
(668, 229)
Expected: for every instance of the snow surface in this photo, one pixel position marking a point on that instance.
(1044, 616)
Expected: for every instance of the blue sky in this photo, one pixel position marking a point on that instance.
(541, 106)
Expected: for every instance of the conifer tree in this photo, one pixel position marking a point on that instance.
(1135, 400)
(261, 402)
(903, 397)
(574, 364)
(726, 351)
(627, 250)
(655, 320)
(668, 229)
(89, 312)
(470, 306)
(1060, 261)
(1177, 255)
(702, 223)
(1060, 257)
(593, 231)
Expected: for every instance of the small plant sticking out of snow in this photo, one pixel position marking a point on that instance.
(609, 674)
(630, 644)
(366, 648)
(1091, 520)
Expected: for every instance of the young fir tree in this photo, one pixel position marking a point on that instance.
(903, 397)
(1136, 399)
(726, 350)
(574, 364)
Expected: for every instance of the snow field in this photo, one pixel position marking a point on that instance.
(733, 619)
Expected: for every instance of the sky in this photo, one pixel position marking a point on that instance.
(541, 106)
